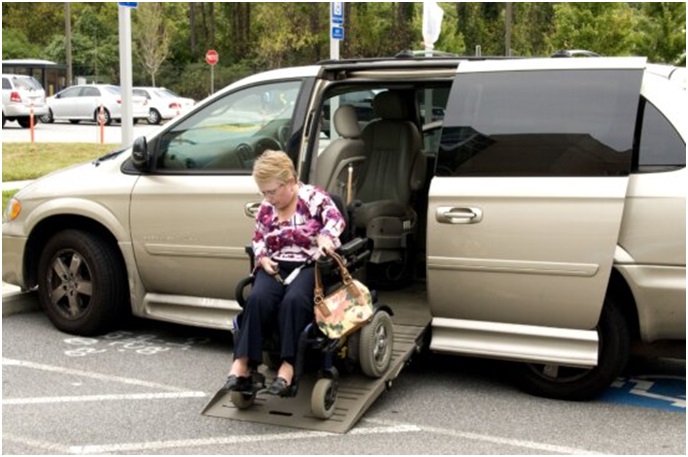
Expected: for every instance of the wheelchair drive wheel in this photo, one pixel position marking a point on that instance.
(323, 398)
(376, 344)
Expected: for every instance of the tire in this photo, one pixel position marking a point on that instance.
(323, 398)
(24, 122)
(106, 116)
(3, 120)
(566, 383)
(74, 121)
(48, 118)
(242, 400)
(154, 117)
(376, 345)
(82, 283)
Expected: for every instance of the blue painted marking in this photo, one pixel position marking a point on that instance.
(649, 391)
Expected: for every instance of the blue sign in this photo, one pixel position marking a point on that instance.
(129, 4)
(337, 14)
(337, 33)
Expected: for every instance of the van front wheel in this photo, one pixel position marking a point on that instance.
(568, 383)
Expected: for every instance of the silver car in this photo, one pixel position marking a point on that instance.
(90, 102)
(22, 97)
(541, 220)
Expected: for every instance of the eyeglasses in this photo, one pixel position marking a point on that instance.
(273, 192)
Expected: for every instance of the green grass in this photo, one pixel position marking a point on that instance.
(22, 161)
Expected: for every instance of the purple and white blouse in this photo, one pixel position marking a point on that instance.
(295, 240)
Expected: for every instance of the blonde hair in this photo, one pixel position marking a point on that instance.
(273, 165)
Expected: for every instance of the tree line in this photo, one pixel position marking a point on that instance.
(170, 39)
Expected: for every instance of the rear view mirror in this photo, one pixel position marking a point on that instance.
(139, 154)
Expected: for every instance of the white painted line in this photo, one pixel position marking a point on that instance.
(532, 445)
(44, 445)
(88, 374)
(85, 398)
(225, 440)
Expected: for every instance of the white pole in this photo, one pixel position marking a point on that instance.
(125, 71)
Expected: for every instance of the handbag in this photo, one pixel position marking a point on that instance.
(346, 309)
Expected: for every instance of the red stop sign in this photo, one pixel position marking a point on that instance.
(212, 57)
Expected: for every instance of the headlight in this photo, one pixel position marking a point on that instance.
(12, 211)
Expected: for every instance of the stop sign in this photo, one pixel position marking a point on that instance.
(212, 57)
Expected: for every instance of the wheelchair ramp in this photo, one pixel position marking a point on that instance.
(356, 393)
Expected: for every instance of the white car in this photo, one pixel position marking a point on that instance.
(20, 95)
(163, 104)
(83, 103)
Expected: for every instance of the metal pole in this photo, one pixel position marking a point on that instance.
(125, 77)
(507, 38)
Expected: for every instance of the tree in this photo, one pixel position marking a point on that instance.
(151, 36)
(662, 32)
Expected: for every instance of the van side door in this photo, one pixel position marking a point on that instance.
(526, 202)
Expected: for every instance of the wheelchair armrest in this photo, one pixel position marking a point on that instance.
(239, 290)
(353, 246)
(251, 255)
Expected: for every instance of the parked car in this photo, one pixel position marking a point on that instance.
(83, 103)
(22, 94)
(163, 104)
(544, 221)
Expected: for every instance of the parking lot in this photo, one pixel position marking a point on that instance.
(141, 390)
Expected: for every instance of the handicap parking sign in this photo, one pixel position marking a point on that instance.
(651, 391)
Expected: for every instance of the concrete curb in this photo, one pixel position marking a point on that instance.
(19, 302)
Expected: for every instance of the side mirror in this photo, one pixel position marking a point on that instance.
(139, 154)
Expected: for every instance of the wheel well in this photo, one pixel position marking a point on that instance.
(52, 225)
(622, 295)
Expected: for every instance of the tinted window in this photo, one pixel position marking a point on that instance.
(90, 92)
(660, 144)
(6, 83)
(229, 134)
(540, 123)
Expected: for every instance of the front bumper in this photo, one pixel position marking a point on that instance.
(13, 248)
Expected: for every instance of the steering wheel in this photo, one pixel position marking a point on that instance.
(265, 143)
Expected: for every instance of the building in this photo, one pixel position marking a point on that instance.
(52, 76)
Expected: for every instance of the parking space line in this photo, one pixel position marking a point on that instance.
(92, 375)
(44, 445)
(86, 398)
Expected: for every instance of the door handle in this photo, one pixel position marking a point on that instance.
(456, 215)
(251, 209)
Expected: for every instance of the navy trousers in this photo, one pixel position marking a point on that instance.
(272, 305)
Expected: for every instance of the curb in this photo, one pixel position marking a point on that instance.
(19, 302)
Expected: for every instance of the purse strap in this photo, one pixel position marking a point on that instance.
(318, 295)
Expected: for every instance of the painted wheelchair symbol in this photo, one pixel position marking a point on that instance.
(660, 391)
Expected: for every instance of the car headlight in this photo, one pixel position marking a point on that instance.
(12, 211)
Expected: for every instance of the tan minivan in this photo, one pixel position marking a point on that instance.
(530, 210)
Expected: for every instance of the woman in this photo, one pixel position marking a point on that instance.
(294, 224)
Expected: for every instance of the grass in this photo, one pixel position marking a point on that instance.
(22, 161)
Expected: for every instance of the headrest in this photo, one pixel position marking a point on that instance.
(346, 122)
(389, 105)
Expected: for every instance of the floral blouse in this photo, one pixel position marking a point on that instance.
(295, 240)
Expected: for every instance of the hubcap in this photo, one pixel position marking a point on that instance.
(70, 286)
(381, 344)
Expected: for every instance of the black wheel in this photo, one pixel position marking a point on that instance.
(376, 345)
(74, 121)
(567, 383)
(242, 400)
(81, 283)
(154, 117)
(323, 398)
(107, 120)
(24, 122)
(48, 117)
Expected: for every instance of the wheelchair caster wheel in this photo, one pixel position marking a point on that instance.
(323, 398)
(242, 400)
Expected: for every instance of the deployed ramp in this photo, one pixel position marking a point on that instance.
(356, 393)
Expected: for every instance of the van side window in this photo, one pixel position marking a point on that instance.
(661, 147)
(540, 123)
(229, 134)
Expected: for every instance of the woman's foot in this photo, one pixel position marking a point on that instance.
(239, 376)
(282, 384)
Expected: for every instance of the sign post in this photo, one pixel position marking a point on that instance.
(336, 28)
(125, 72)
(212, 58)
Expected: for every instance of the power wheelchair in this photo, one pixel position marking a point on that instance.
(369, 348)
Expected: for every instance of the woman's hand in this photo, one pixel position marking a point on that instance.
(325, 244)
(270, 266)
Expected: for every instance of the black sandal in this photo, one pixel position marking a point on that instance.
(279, 387)
(237, 383)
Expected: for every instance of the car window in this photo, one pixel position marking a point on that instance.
(89, 92)
(141, 93)
(112, 90)
(540, 123)
(71, 92)
(661, 147)
(6, 83)
(28, 83)
(230, 133)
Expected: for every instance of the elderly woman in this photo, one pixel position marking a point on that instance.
(294, 224)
